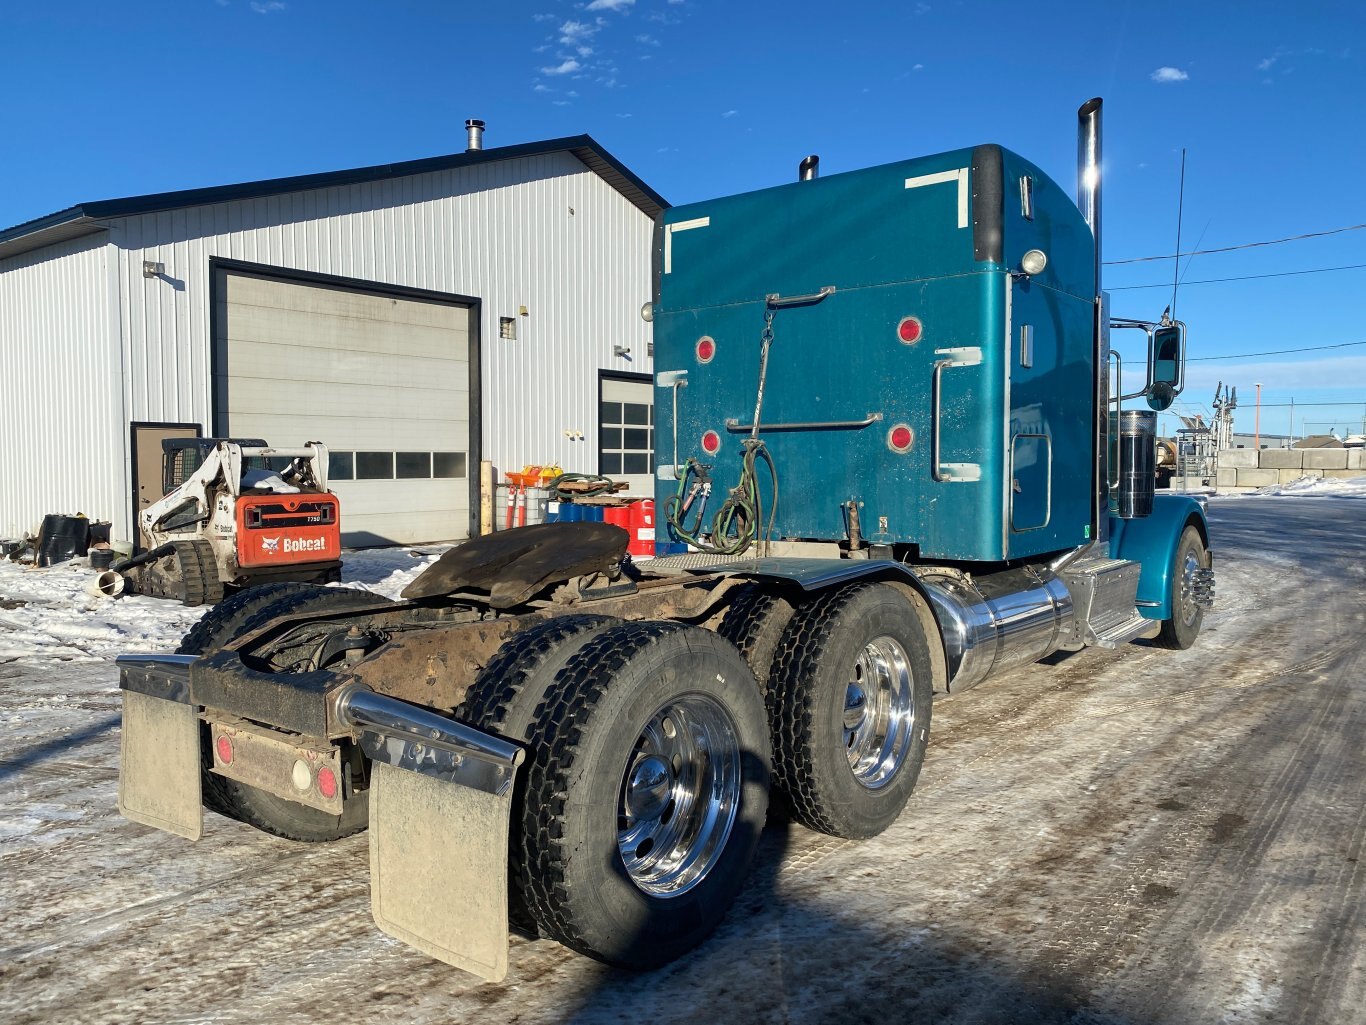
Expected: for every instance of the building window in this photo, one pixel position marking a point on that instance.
(341, 466)
(625, 430)
(374, 466)
(448, 464)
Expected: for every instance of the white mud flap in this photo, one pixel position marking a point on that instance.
(159, 765)
(438, 868)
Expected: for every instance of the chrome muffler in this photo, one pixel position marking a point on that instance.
(997, 622)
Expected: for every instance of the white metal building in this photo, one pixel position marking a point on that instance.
(415, 318)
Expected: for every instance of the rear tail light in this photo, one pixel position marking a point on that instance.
(327, 782)
(706, 349)
(224, 746)
(711, 443)
(900, 438)
(909, 330)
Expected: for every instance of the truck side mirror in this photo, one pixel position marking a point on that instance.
(1166, 365)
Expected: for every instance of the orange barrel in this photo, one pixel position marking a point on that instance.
(642, 527)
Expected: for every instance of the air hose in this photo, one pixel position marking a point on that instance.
(735, 527)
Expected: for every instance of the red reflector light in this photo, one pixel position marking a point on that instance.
(711, 443)
(900, 438)
(224, 749)
(706, 349)
(909, 330)
(327, 782)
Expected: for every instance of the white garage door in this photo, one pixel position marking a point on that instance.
(382, 380)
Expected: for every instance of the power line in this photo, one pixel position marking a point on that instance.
(1245, 245)
(1277, 352)
(1244, 277)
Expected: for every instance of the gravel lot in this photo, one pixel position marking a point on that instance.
(1134, 836)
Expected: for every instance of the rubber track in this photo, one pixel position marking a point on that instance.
(554, 740)
(789, 700)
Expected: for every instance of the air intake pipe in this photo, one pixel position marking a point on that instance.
(1137, 462)
(809, 168)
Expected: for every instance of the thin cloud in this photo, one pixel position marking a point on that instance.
(609, 5)
(1168, 74)
(573, 33)
(1265, 63)
(729, 113)
(567, 67)
(268, 7)
(543, 17)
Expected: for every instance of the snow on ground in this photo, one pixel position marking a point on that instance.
(52, 614)
(1114, 837)
(1319, 487)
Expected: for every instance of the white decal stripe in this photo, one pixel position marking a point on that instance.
(943, 177)
(669, 229)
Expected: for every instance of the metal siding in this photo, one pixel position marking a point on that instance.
(501, 232)
(62, 425)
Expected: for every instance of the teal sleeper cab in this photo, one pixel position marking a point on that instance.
(951, 399)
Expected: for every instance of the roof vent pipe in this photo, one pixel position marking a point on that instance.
(1088, 171)
(474, 135)
(809, 168)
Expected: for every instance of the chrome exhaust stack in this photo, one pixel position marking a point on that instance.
(809, 168)
(1088, 201)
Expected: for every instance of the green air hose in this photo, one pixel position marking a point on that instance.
(735, 527)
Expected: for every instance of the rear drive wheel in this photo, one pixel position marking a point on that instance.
(646, 794)
(849, 705)
(754, 623)
(504, 697)
(240, 614)
(1180, 631)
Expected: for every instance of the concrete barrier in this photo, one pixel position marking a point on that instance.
(1238, 458)
(1226, 477)
(1254, 478)
(1325, 458)
(1356, 458)
(1289, 476)
(1282, 458)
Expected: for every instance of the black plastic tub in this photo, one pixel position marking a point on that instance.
(62, 538)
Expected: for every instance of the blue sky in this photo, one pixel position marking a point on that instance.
(704, 98)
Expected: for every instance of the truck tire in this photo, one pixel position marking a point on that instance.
(240, 614)
(849, 707)
(754, 623)
(646, 793)
(503, 700)
(224, 621)
(1180, 632)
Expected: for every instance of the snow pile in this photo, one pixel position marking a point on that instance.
(51, 615)
(1334, 487)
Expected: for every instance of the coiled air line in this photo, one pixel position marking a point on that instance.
(735, 527)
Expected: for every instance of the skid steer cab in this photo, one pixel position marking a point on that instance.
(236, 512)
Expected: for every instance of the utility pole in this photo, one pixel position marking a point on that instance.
(1257, 421)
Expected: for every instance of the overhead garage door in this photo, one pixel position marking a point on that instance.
(382, 379)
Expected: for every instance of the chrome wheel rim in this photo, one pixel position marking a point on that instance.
(680, 795)
(879, 712)
(1189, 566)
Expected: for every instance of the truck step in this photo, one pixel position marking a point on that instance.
(1125, 632)
(1103, 597)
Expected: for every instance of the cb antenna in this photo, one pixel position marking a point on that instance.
(1180, 209)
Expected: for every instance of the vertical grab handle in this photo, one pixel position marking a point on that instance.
(1118, 399)
(965, 356)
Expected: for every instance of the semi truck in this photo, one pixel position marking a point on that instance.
(897, 460)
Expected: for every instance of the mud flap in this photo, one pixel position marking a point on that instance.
(438, 868)
(159, 770)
